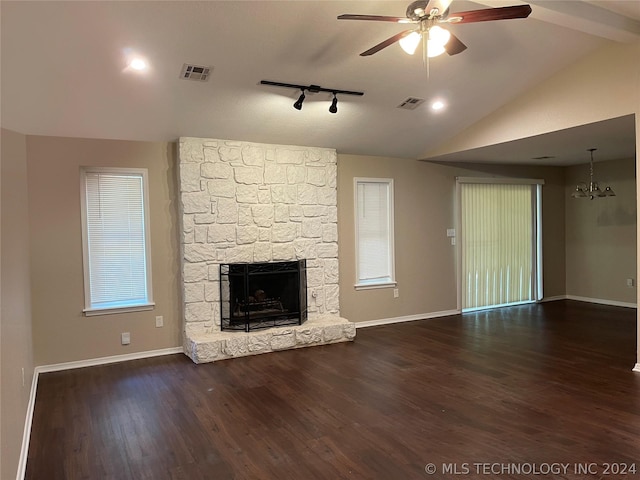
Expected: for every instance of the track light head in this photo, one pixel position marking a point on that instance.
(334, 104)
(298, 104)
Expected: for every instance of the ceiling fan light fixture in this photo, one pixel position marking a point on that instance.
(439, 35)
(437, 39)
(426, 13)
(433, 50)
(410, 43)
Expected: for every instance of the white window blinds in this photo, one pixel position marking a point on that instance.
(374, 232)
(498, 244)
(116, 260)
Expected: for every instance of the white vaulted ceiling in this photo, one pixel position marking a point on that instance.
(64, 69)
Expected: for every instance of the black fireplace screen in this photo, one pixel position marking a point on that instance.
(263, 295)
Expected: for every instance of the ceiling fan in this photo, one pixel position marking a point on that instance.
(427, 14)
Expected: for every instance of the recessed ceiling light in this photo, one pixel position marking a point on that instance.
(133, 61)
(138, 64)
(437, 105)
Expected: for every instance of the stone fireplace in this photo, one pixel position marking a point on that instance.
(245, 203)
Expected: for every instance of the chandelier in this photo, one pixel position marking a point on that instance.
(591, 190)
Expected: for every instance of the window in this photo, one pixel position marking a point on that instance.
(115, 237)
(500, 242)
(374, 233)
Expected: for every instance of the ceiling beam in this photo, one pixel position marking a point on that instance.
(581, 16)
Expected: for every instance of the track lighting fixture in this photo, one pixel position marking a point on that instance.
(334, 104)
(298, 104)
(313, 89)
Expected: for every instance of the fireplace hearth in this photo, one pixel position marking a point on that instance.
(255, 296)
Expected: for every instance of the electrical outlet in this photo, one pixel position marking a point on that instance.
(453, 240)
(630, 282)
(159, 321)
(396, 292)
(126, 338)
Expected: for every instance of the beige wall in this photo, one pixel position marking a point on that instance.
(424, 210)
(16, 351)
(601, 234)
(424, 259)
(61, 333)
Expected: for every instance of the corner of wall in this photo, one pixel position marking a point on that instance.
(16, 351)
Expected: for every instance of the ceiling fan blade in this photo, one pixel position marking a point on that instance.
(454, 46)
(386, 43)
(488, 14)
(377, 18)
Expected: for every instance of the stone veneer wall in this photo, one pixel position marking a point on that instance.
(250, 202)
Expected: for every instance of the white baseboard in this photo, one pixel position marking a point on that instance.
(600, 301)
(26, 436)
(636, 368)
(408, 318)
(553, 299)
(57, 367)
(446, 313)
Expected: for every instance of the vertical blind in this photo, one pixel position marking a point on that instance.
(375, 245)
(115, 235)
(497, 244)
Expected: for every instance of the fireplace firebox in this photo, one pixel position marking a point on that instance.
(254, 296)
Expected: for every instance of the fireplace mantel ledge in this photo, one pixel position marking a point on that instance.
(317, 330)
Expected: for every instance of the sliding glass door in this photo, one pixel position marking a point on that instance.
(499, 242)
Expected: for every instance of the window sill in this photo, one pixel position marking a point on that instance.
(90, 312)
(372, 286)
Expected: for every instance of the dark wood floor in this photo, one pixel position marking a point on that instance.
(526, 385)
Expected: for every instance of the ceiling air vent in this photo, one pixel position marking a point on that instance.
(543, 157)
(411, 103)
(198, 73)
